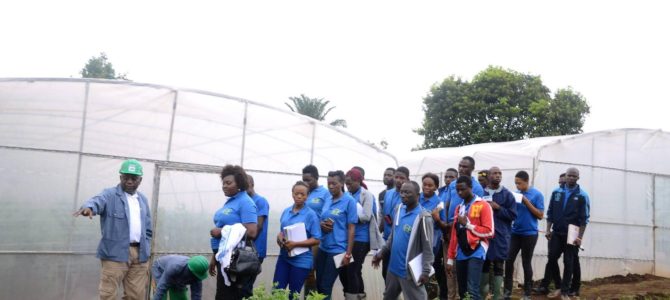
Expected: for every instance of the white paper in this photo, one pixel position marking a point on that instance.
(573, 234)
(416, 268)
(487, 198)
(296, 233)
(518, 197)
(338, 260)
(440, 206)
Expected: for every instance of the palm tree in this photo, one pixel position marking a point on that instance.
(314, 108)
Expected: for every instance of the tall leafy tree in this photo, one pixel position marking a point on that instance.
(100, 67)
(316, 108)
(498, 105)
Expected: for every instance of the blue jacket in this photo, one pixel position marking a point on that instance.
(571, 210)
(502, 222)
(112, 206)
(172, 271)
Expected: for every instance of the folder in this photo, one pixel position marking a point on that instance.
(296, 233)
(416, 268)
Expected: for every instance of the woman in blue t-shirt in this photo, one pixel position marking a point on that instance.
(338, 223)
(239, 208)
(293, 270)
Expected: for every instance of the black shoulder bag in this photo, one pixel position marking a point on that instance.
(244, 262)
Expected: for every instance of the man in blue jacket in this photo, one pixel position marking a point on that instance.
(173, 273)
(504, 213)
(567, 206)
(125, 223)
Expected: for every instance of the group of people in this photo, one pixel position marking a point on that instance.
(467, 233)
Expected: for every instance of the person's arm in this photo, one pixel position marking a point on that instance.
(351, 229)
(426, 235)
(148, 227)
(94, 206)
(263, 211)
(535, 211)
(196, 290)
(550, 219)
(367, 200)
(582, 221)
(252, 230)
(163, 278)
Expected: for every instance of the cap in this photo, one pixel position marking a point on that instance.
(131, 166)
(198, 265)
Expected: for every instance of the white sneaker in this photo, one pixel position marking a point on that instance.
(554, 294)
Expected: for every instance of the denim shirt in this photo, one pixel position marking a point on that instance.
(171, 271)
(112, 206)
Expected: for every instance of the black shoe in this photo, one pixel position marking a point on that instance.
(573, 293)
(540, 290)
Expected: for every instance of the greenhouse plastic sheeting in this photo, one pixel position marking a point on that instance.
(62, 141)
(625, 172)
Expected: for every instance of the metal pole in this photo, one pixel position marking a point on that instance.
(311, 155)
(653, 222)
(244, 133)
(76, 185)
(174, 112)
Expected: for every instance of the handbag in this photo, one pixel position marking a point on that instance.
(244, 262)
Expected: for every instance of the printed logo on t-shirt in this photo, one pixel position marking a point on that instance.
(316, 200)
(227, 211)
(407, 228)
(335, 211)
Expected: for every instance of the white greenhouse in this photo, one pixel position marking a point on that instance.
(63, 140)
(626, 173)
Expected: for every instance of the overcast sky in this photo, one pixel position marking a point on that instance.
(374, 60)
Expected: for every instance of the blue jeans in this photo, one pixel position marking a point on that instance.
(468, 273)
(326, 273)
(287, 274)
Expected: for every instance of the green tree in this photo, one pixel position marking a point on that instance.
(315, 108)
(498, 105)
(99, 67)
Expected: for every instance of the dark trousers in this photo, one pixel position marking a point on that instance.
(351, 276)
(525, 244)
(557, 246)
(326, 273)
(550, 273)
(248, 288)
(576, 274)
(498, 267)
(440, 276)
(385, 265)
(468, 273)
(289, 275)
(224, 292)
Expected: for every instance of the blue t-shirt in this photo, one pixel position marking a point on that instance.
(453, 199)
(308, 216)
(362, 232)
(391, 199)
(343, 212)
(430, 204)
(317, 198)
(237, 209)
(262, 210)
(401, 234)
(525, 223)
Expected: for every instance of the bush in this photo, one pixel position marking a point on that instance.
(280, 294)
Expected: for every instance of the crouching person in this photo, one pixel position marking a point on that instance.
(172, 273)
(411, 235)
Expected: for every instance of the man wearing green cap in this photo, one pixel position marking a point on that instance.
(125, 223)
(172, 273)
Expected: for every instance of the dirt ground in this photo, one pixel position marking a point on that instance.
(631, 286)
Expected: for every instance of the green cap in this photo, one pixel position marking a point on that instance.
(131, 166)
(198, 265)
